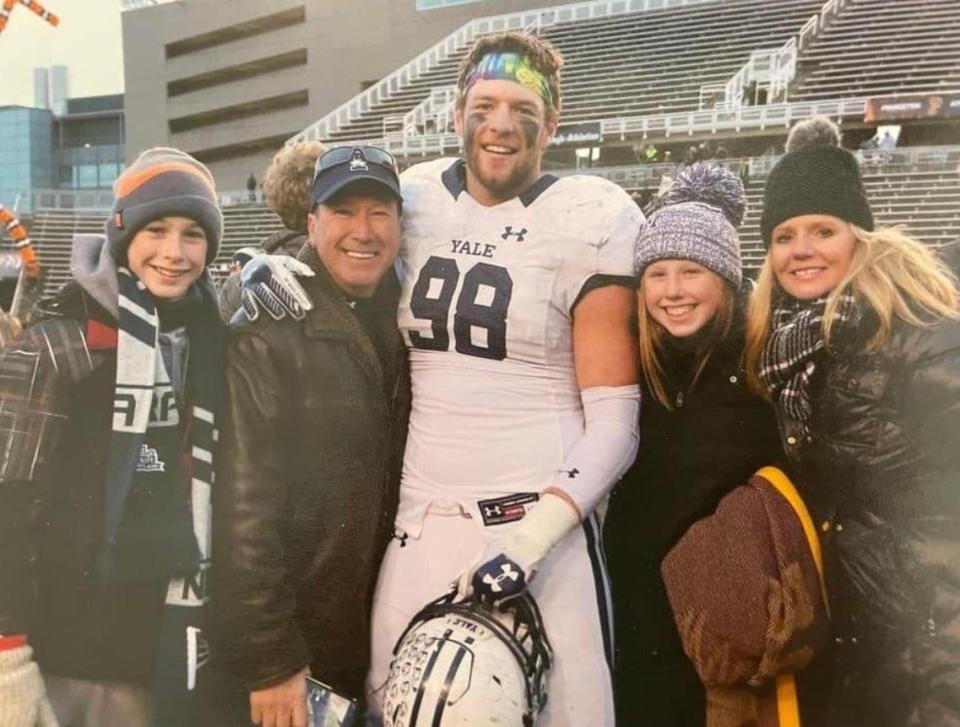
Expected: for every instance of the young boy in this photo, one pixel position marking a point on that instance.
(108, 416)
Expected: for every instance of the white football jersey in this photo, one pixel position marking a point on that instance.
(487, 312)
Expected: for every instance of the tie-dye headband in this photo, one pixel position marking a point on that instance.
(510, 67)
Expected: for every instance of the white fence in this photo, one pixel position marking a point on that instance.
(773, 70)
(531, 20)
(915, 158)
(710, 121)
(908, 159)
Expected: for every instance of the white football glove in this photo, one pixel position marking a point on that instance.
(506, 566)
(270, 282)
(23, 699)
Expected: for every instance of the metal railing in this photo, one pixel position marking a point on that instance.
(531, 20)
(710, 121)
(435, 108)
(80, 200)
(636, 176)
(755, 72)
(774, 69)
(907, 159)
(717, 120)
(785, 64)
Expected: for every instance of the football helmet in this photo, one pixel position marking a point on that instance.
(459, 663)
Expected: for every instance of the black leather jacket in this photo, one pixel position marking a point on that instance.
(306, 490)
(880, 473)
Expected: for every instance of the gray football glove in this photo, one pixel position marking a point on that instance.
(270, 282)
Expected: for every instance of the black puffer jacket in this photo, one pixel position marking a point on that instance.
(716, 437)
(307, 488)
(880, 472)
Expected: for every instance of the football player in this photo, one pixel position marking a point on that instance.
(517, 309)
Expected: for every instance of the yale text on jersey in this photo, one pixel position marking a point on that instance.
(466, 247)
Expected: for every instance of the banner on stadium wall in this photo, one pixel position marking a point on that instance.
(914, 106)
(585, 134)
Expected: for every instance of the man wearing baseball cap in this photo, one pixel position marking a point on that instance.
(315, 425)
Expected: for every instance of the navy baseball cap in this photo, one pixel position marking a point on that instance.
(344, 165)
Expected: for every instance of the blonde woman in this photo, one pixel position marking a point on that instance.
(702, 433)
(853, 333)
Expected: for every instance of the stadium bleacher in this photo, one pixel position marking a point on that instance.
(656, 62)
(878, 47)
(926, 203)
(633, 64)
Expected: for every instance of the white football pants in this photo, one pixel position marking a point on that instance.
(570, 588)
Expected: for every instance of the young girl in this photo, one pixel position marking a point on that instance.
(854, 335)
(702, 432)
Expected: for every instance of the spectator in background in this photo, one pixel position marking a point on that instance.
(706, 150)
(745, 171)
(251, 188)
(692, 156)
(287, 186)
(886, 145)
(666, 181)
(868, 150)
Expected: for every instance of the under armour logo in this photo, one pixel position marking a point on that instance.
(358, 163)
(492, 510)
(572, 474)
(494, 581)
(401, 536)
(508, 232)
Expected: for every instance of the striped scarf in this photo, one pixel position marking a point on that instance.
(147, 446)
(791, 354)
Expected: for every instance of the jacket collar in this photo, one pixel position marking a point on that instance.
(331, 316)
(454, 179)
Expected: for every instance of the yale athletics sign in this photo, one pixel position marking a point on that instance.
(584, 134)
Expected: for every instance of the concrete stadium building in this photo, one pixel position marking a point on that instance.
(231, 80)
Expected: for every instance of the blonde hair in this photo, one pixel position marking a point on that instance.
(891, 272)
(288, 183)
(653, 336)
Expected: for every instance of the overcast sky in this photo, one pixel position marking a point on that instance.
(88, 41)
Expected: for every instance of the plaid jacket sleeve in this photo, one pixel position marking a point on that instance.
(36, 369)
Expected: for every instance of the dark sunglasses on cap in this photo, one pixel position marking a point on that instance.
(355, 156)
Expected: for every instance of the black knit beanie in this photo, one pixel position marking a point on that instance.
(815, 176)
(163, 182)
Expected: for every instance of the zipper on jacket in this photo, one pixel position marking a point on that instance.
(679, 401)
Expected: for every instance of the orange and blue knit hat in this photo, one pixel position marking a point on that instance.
(163, 182)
